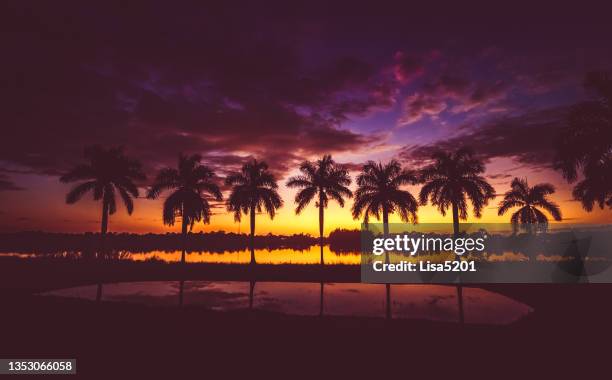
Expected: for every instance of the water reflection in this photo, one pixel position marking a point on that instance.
(430, 302)
(310, 255)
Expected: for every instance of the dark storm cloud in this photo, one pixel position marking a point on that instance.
(447, 85)
(205, 79)
(278, 82)
(409, 66)
(528, 138)
(454, 92)
(6, 184)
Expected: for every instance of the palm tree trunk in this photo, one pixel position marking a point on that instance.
(184, 238)
(102, 250)
(532, 220)
(386, 231)
(104, 227)
(386, 222)
(252, 239)
(456, 234)
(321, 216)
(455, 219)
(387, 260)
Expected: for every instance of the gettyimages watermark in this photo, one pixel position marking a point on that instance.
(486, 253)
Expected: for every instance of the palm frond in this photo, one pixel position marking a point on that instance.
(78, 191)
(127, 199)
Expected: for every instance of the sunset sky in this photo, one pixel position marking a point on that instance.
(284, 83)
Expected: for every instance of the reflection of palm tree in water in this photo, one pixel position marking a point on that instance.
(100, 267)
(182, 274)
(251, 294)
(388, 301)
(99, 292)
(460, 304)
(321, 300)
(181, 286)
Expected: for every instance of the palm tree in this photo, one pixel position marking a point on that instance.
(451, 180)
(190, 182)
(378, 193)
(529, 199)
(324, 179)
(254, 189)
(107, 172)
(447, 182)
(586, 144)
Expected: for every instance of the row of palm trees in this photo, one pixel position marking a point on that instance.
(449, 183)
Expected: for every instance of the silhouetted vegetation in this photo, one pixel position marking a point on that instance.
(529, 200)
(556, 244)
(325, 179)
(254, 189)
(585, 145)
(379, 194)
(344, 240)
(44, 242)
(107, 171)
(190, 184)
(451, 180)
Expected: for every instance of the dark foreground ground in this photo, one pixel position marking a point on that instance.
(567, 335)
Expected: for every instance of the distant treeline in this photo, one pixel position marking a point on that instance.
(594, 243)
(44, 242)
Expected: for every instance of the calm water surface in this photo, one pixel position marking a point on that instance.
(311, 255)
(430, 302)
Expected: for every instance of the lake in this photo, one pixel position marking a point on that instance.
(426, 302)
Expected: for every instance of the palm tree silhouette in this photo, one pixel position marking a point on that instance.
(529, 199)
(325, 179)
(108, 172)
(191, 181)
(379, 193)
(452, 177)
(447, 182)
(586, 144)
(254, 189)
